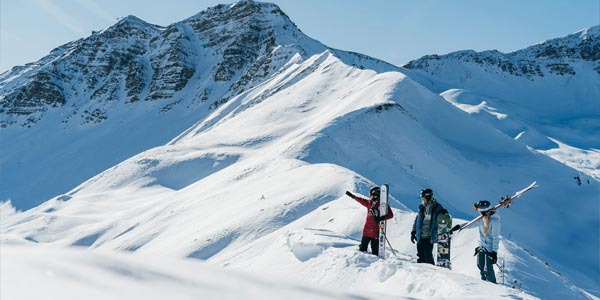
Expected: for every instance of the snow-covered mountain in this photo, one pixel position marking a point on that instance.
(546, 96)
(252, 177)
(94, 102)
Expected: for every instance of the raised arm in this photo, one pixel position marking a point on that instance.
(364, 202)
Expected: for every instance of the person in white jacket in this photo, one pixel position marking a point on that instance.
(489, 238)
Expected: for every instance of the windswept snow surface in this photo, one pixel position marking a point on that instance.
(545, 95)
(58, 273)
(256, 184)
(129, 88)
(326, 255)
(552, 135)
(276, 156)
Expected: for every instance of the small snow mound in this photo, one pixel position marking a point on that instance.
(536, 140)
(310, 243)
(461, 96)
(385, 271)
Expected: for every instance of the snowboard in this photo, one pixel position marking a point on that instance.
(444, 224)
(383, 201)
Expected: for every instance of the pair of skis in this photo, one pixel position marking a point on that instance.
(504, 202)
(383, 203)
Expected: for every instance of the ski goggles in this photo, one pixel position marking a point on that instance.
(425, 195)
(482, 206)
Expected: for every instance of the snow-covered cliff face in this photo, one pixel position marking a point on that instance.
(547, 95)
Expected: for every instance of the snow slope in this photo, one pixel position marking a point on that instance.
(256, 184)
(94, 102)
(546, 96)
(75, 274)
(326, 255)
(278, 153)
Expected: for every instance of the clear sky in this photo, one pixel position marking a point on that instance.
(396, 31)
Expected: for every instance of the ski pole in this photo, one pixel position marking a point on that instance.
(390, 244)
(502, 270)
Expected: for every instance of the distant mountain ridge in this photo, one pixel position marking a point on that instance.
(555, 56)
(547, 95)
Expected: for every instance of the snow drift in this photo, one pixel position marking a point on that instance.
(257, 181)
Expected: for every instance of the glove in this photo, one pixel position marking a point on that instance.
(493, 256)
(349, 194)
(443, 211)
(373, 212)
(479, 249)
(413, 236)
(455, 228)
(379, 219)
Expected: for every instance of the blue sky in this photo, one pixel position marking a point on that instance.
(395, 31)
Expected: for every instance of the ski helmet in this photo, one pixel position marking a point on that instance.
(375, 191)
(427, 194)
(482, 206)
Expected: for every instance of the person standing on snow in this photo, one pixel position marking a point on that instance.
(489, 238)
(424, 230)
(371, 228)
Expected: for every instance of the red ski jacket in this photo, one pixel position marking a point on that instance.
(371, 229)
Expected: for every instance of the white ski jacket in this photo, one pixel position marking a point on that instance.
(492, 239)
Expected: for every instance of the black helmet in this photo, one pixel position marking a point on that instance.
(375, 191)
(427, 194)
(482, 206)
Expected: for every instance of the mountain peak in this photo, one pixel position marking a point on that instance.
(584, 34)
(581, 45)
(244, 4)
(131, 19)
(244, 7)
(127, 25)
(593, 31)
(240, 12)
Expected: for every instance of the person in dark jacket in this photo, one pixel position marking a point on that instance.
(371, 228)
(424, 230)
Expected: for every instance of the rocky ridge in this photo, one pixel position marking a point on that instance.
(555, 56)
(209, 57)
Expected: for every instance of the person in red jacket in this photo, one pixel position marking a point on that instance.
(371, 228)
